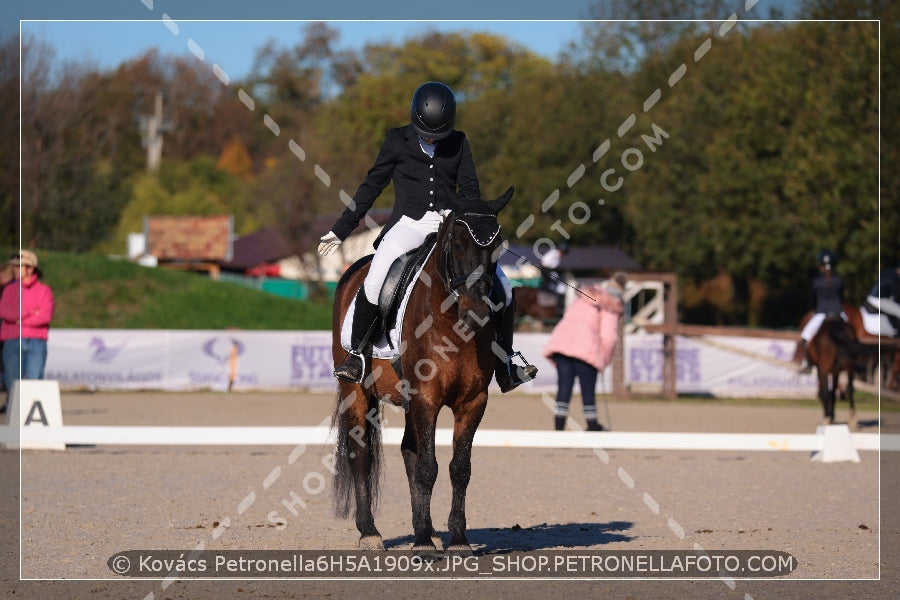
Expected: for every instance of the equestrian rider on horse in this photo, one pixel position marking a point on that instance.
(885, 295)
(429, 162)
(828, 299)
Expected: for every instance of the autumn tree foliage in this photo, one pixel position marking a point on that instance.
(734, 175)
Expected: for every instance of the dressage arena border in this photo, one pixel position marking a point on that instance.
(320, 435)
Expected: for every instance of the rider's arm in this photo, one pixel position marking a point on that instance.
(466, 179)
(378, 177)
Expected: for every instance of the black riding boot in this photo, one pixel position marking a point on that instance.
(805, 367)
(366, 321)
(508, 374)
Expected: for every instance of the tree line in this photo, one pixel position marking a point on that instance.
(728, 156)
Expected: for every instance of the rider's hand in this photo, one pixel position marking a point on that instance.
(328, 243)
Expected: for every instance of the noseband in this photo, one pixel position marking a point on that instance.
(483, 229)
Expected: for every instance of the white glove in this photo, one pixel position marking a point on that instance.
(328, 243)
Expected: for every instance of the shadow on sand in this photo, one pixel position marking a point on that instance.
(499, 540)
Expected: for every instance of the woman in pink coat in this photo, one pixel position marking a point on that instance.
(26, 309)
(582, 343)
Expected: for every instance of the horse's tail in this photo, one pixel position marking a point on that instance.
(352, 442)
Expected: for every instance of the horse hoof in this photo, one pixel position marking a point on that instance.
(371, 542)
(460, 550)
(427, 552)
(437, 541)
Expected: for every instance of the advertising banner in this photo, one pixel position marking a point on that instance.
(274, 360)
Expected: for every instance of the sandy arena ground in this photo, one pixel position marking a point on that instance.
(81, 506)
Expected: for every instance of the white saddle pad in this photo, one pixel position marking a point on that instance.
(381, 348)
(877, 324)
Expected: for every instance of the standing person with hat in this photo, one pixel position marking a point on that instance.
(26, 309)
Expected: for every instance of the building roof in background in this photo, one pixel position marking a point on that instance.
(268, 244)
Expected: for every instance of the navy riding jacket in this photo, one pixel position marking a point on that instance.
(828, 297)
(421, 183)
(887, 286)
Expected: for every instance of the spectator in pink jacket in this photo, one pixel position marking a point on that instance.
(26, 309)
(581, 346)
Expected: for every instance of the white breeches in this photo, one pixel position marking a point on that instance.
(408, 234)
(885, 305)
(812, 326)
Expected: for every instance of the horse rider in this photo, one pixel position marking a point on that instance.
(884, 296)
(428, 161)
(827, 298)
(551, 280)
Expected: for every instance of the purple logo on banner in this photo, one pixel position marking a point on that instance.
(220, 348)
(311, 364)
(103, 354)
(646, 365)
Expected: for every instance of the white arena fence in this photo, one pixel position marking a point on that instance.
(37, 436)
(185, 360)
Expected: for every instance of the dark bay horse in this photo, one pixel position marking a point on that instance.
(833, 350)
(889, 347)
(540, 305)
(446, 359)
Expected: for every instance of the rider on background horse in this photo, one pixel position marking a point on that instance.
(429, 162)
(827, 298)
(884, 296)
(551, 280)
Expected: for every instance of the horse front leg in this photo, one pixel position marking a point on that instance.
(852, 421)
(466, 420)
(410, 454)
(421, 470)
(826, 397)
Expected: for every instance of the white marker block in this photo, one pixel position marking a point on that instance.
(34, 403)
(837, 445)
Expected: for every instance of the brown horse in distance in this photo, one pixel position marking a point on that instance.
(540, 305)
(833, 350)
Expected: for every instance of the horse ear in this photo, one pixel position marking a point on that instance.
(496, 205)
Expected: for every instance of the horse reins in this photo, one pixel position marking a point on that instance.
(451, 283)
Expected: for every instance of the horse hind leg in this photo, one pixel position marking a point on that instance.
(357, 465)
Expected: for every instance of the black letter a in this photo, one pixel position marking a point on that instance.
(40, 408)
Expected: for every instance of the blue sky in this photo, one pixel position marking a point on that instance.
(229, 32)
(233, 44)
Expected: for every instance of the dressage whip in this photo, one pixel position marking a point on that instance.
(550, 274)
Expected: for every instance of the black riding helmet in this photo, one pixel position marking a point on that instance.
(433, 110)
(826, 259)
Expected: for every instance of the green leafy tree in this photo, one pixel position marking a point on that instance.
(195, 187)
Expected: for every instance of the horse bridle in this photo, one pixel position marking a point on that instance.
(482, 238)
